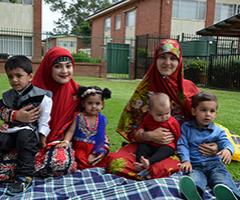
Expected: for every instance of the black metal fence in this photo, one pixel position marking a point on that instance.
(218, 67)
(224, 71)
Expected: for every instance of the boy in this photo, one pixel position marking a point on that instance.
(158, 116)
(205, 170)
(24, 137)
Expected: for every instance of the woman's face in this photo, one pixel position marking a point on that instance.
(62, 72)
(167, 64)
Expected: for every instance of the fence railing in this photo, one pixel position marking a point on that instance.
(224, 71)
(220, 69)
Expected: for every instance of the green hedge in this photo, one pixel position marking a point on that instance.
(84, 57)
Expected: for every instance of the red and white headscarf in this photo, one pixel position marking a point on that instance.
(65, 103)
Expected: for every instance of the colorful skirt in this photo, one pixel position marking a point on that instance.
(122, 164)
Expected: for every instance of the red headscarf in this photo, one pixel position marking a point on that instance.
(64, 98)
(179, 90)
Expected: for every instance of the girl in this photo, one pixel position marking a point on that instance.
(88, 130)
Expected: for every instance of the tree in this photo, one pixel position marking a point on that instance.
(74, 14)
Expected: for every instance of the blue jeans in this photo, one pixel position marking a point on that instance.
(212, 173)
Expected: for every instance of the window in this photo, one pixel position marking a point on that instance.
(15, 45)
(189, 9)
(30, 2)
(130, 18)
(224, 11)
(117, 22)
(107, 24)
(72, 44)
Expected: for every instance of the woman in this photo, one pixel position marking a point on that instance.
(55, 74)
(165, 75)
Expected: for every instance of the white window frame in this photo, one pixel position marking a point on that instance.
(117, 22)
(179, 5)
(107, 24)
(131, 18)
(220, 11)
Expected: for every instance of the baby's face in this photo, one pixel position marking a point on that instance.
(160, 113)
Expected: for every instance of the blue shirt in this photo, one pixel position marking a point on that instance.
(192, 136)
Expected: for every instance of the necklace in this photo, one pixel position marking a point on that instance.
(89, 127)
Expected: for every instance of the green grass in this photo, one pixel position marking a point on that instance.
(122, 90)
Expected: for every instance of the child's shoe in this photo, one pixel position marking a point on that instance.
(21, 184)
(223, 192)
(189, 189)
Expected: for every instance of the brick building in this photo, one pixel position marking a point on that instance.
(127, 19)
(20, 27)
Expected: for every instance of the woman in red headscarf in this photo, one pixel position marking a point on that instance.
(55, 74)
(165, 75)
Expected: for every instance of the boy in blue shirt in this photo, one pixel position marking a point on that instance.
(205, 170)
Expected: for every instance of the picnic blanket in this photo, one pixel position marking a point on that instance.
(95, 183)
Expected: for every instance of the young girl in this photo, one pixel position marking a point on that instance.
(88, 130)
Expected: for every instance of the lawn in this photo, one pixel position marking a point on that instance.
(122, 90)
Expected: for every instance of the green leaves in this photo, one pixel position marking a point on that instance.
(74, 14)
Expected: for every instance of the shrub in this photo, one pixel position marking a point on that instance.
(236, 62)
(84, 57)
(194, 70)
(195, 65)
(142, 52)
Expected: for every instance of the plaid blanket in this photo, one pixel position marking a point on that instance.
(94, 183)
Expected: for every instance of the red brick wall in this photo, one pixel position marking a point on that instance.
(147, 17)
(165, 18)
(152, 17)
(97, 38)
(82, 69)
(37, 29)
(210, 13)
(118, 35)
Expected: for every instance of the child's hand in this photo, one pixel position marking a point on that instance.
(42, 140)
(93, 159)
(28, 114)
(186, 166)
(226, 156)
(63, 144)
(4, 127)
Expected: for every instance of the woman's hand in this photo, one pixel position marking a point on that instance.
(28, 114)
(93, 159)
(159, 136)
(208, 149)
(63, 144)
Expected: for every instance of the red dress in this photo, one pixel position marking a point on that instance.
(180, 92)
